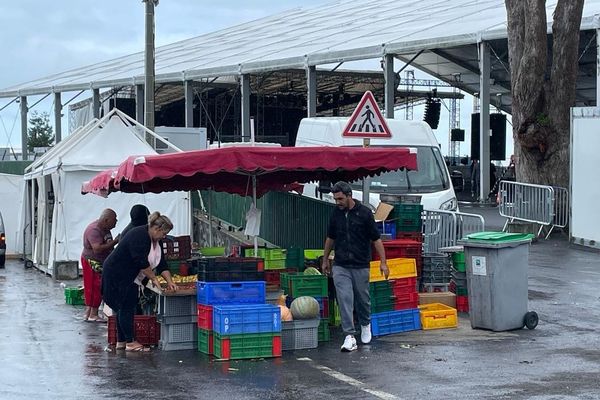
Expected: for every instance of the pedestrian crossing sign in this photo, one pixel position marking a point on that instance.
(366, 121)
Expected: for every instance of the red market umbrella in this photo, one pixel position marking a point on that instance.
(230, 169)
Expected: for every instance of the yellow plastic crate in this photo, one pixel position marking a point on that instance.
(438, 316)
(399, 268)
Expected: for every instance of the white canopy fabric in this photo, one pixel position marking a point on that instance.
(53, 195)
(11, 189)
(343, 30)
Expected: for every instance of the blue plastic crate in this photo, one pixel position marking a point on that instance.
(386, 323)
(387, 228)
(212, 293)
(247, 318)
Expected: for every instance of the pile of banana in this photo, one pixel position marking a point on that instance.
(178, 279)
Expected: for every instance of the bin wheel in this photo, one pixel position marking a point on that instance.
(28, 264)
(531, 320)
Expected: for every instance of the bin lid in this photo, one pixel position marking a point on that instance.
(496, 239)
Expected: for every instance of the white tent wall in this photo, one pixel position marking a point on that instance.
(11, 189)
(73, 212)
(61, 218)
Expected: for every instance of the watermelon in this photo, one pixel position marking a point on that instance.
(305, 307)
(312, 271)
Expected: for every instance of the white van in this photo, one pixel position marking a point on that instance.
(431, 181)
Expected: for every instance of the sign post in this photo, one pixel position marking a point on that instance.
(367, 122)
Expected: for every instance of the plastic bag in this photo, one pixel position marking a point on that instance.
(253, 221)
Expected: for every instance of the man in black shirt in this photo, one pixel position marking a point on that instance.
(351, 231)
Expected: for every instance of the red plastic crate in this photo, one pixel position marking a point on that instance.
(273, 277)
(462, 304)
(205, 317)
(146, 330)
(406, 301)
(400, 248)
(177, 248)
(404, 286)
(416, 236)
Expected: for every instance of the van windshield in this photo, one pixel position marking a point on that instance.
(430, 176)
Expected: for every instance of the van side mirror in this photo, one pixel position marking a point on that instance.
(324, 187)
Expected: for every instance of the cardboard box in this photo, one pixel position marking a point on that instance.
(447, 298)
(383, 211)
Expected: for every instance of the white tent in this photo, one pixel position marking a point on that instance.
(11, 187)
(55, 211)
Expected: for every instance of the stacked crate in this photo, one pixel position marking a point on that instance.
(177, 317)
(176, 251)
(458, 283)
(437, 272)
(407, 218)
(403, 248)
(394, 302)
(235, 323)
(146, 330)
(295, 285)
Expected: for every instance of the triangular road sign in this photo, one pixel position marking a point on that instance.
(366, 121)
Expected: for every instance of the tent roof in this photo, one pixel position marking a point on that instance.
(343, 30)
(229, 169)
(97, 146)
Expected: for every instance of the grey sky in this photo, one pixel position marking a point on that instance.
(41, 37)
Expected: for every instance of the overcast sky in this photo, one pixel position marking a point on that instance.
(39, 38)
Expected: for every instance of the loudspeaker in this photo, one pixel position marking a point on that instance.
(432, 112)
(457, 135)
(497, 140)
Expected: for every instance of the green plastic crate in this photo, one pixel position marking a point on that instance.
(258, 345)
(261, 252)
(74, 301)
(324, 331)
(205, 341)
(74, 296)
(313, 254)
(294, 258)
(306, 285)
(335, 319)
(460, 267)
(275, 264)
(458, 257)
(404, 208)
(381, 288)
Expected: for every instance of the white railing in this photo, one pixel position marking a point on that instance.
(445, 228)
(547, 206)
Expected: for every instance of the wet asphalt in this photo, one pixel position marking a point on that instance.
(48, 352)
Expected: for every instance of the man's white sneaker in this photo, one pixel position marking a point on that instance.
(365, 334)
(349, 344)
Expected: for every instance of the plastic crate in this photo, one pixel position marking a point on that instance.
(294, 258)
(176, 306)
(438, 316)
(335, 319)
(258, 345)
(205, 341)
(400, 248)
(381, 288)
(169, 346)
(324, 332)
(313, 254)
(395, 322)
(462, 304)
(399, 268)
(177, 248)
(458, 257)
(229, 269)
(387, 228)
(406, 208)
(260, 252)
(74, 301)
(382, 304)
(231, 292)
(146, 330)
(416, 236)
(404, 285)
(428, 287)
(179, 333)
(407, 222)
(205, 317)
(275, 264)
(305, 285)
(406, 301)
(250, 318)
(300, 334)
(460, 291)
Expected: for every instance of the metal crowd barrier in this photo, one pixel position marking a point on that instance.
(547, 206)
(445, 228)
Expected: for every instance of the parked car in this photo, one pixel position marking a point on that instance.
(2, 243)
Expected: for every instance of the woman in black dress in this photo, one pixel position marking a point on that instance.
(139, 255)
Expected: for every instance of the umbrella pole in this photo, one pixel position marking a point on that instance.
(210, 233)
(254, 200)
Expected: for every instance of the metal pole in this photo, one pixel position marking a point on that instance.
(245, 83)
(149, 65)
(210, 232)
(24, 110)
(188, 93)
(366, 183)
(254, 200)
(311, 91)
(484, 120)
(597, 67)
(139, 103)
(57, 118)
(390, 85)
(96, 103)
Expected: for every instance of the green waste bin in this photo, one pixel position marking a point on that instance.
(497, 264)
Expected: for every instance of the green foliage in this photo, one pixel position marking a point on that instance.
(40, 133)
(542, 119)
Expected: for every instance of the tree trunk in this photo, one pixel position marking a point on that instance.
(543, 90)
